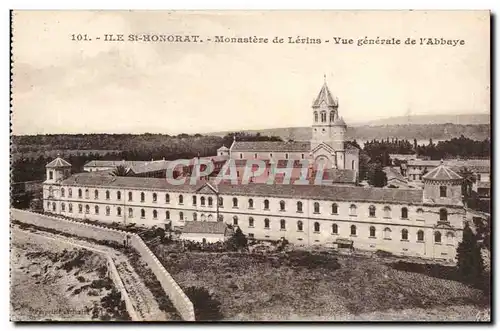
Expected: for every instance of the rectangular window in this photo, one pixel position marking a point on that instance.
(442, 191)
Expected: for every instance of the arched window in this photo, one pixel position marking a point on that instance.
(63, 207)
(443, 215)
(210, 201)
(282, 224)
(420, 235)
(335, 228)
(87, 209)
(70, 207)
(79, 192)
(315, 116)
(51, 191)
(181, 199)
(96, 194)
(53, 206)
(118, 195)
(316, 227)
(250, 222)
(107, 195)
(372, 231)
(181, 216)
(266, 223)
(70, 193)
(87, 193)
(96, 209)
(282, 205)
(372, 211)
(404, 213)
(202, 201)
(195, 216)
(266, 204)
(62, 192)
(332, 116)
(221, 202)
(387, 212)
(235, 202)
(80, 208)
(143, 197)
(167, 214)
(51, 175)
(194, 200)
(143, 213)
(250, 203)
(130, 212)
(404, 234)
(167, 198)
(335, 208)
(299, 206)
(221, 218)
(387, 233)
(420, 213)
(155, 197)
(353, 230)
(155, 214)
(235, 220)
(437, 237)
(323, 116)
(203, 218)
(352, 210)
(316, 207)
(118, 211)
(108, 210)
(300, 226)
(129, 196)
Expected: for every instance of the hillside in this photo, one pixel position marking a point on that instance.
(460, 119)
(421, 132)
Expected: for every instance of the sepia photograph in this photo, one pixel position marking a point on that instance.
(250, 166)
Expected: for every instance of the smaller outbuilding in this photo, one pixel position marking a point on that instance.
(206, 232)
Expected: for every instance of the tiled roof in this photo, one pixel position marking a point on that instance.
(344, 176)
(339, 122)
(325, 95)
(330, 192)
(223, 148)
(107, 163)
(441, 173)
(205, 227)
(451, 163)
(403, 156)
(271, 146)
(58, 163)
(392, 173)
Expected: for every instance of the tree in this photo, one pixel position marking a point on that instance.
(469, 179)
(469, 261)
(120, 171)
(206, 306)
(376, 175)
(237, 241)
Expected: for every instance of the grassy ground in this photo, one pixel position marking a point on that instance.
(54, 281)
(252, 287)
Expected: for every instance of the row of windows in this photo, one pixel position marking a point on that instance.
(255, 156)
(251, 222)
(443, 214)
(323, 116)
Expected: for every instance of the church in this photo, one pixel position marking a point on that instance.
(327, 145)
(425, 223)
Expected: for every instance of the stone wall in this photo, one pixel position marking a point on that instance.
(179, 299)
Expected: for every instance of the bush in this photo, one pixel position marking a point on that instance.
(312, 261)
(81, 279)
(206, 306)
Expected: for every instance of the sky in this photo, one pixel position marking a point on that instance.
(65, 86)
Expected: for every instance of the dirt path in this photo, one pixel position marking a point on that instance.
(141, 297)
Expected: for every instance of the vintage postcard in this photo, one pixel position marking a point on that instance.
(250, 166)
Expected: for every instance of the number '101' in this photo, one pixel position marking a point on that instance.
(79, 37)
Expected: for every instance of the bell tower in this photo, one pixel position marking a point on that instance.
(325, 113)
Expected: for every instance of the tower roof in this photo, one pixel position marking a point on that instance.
(223, 148)
(339, 121)
(442, 172)
(58, 163)
(326, 96)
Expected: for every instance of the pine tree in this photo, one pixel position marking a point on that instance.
(470, 263)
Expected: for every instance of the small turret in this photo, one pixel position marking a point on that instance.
(443, 186)
(57, 170)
